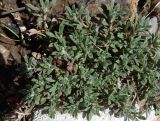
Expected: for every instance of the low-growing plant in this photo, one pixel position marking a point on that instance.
(94, 63)
(43, 12)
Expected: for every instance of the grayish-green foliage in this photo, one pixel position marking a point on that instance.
(42, 12)
(95, 63)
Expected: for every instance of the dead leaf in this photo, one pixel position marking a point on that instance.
(93, 8)
(141, 104)
(72, 2)
(155, 9)
(23, 51)
(4, 54)
(36, 55)
(15, 54)
(6, 40)
(59, 7)
(33, 32)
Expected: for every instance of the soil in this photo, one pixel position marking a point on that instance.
(10, 82)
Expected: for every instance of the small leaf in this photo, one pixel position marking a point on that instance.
(50, 34)
(78, 55)
(42, 4)
(61, 28)
(120, 35)
(37, 99)
(53, 3)
(32, 7)
(49, 79)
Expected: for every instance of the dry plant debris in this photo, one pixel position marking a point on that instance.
(133, 9)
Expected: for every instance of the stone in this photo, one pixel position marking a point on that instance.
(153, 21)
(104, 116)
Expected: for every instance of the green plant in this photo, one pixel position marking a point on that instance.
(94, 63)
(43, 12)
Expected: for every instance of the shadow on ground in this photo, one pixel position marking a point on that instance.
(11, 84)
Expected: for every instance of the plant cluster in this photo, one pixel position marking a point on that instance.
(43, 12)
(94, 63)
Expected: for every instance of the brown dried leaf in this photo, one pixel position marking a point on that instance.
(15, 54)
(6, 40)
(72, 1)
(141, 104)
(33, 32)
(4, 55)
(93, 8)
(36, 55)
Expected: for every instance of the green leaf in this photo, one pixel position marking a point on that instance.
(42, 3)
(32, 7)
(53, 3)
(104, 22)
(61, 28)
(50, 34)
(37, 99)
(53, 89)
(26, 59)
(120, 35)
(67, 91)
(78, 55)
(90, 114)
(49, 79)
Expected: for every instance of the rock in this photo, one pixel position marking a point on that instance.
(153, 21)
(104, 116)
